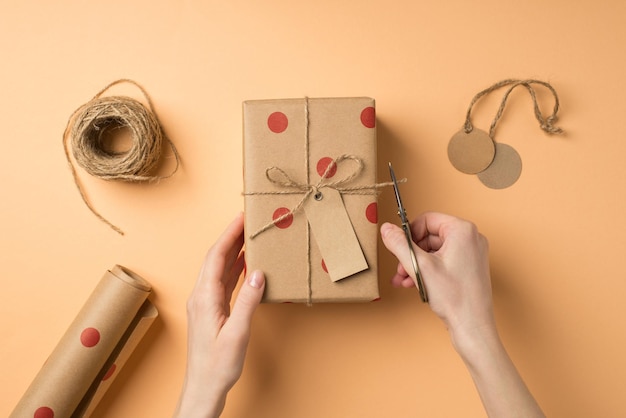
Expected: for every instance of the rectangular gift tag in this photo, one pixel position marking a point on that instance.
(334, 234)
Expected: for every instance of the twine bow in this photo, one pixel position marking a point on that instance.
(279, 177)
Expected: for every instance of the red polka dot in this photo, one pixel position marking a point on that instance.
(371, 212)
(324, 266)
(368, 117)
(277, 122)
(89, 337)
(43, 412)
(285, 222)
(110, 372)
(375, 300)
(324, 164)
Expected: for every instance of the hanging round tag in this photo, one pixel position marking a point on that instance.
(505, 169)
(471, 152)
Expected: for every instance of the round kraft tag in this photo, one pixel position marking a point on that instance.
(505, 169)
(471, 153)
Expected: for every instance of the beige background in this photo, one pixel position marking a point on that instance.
(557, 236)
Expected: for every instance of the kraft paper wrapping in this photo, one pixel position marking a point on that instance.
(275, 135)
(94, 348)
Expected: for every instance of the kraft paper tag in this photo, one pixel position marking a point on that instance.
(471, 152)
(334, 234)
(504, 170)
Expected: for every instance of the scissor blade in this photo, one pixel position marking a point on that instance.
(401, 211)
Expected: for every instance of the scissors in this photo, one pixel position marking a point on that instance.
(419, 283)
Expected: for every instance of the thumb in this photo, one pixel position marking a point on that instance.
(248, 299)
(395, 240)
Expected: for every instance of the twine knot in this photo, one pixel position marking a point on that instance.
(548, 126)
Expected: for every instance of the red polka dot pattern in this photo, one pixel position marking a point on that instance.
(368, 117)
(110, 372)
(324, 164)
(284, 223)
(89, 337)
(43, 412)
(324, 266)
(277, 122)
(371, 212)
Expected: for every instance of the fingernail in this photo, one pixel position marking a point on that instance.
(256, 279)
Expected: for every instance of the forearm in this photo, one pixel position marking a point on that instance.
(500, 386)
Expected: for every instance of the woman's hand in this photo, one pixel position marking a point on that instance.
(454, 262)
(217, 337)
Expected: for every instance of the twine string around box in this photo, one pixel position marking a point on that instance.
(91, 127)
(279, 177)
(546, 124)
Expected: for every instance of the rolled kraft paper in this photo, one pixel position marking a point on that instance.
(93, 349)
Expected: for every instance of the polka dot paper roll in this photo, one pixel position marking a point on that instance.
(302, 139)
(93, 349)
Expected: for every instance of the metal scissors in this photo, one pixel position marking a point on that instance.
(419, 283)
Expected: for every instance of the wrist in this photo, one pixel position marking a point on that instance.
(477, 343)
(198, 402)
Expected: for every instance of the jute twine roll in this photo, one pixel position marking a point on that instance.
(91, 129)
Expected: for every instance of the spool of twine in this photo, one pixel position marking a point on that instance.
(93, 128)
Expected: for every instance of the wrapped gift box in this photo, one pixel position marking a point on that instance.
(310, 198)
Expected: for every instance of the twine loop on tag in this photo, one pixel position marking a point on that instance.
(91, 129)
(546, 124)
